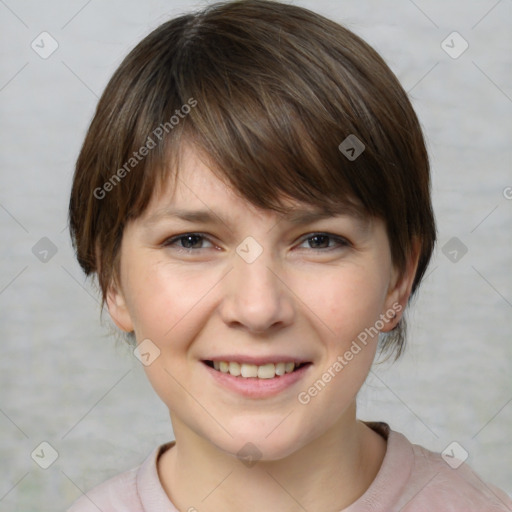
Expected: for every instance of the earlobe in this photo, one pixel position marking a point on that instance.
(400, 289)
(117, 308)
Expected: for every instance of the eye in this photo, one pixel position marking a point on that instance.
(324, 241)
(188, 242)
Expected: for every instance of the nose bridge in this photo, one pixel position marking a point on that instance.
(255, 296)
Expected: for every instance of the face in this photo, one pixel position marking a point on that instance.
(220, 288)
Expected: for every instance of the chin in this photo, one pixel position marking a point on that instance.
(262, 441)
(250, 452)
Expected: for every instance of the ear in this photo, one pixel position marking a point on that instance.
(118, 309)
(400, 288)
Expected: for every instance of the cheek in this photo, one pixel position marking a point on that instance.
(349, 302)
(164, 299)
(169, 307)
(346, 300)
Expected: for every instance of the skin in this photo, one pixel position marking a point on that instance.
(303, 296)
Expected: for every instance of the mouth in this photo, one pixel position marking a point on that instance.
(257, 377)
(254, 371)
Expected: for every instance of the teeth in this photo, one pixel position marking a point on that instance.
(265, 371)
(280, 368)
(234, 369)
(248, 370)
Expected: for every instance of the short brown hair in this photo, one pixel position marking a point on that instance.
(267, 91)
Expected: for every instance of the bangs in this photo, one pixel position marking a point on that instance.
(268, 170)
(269, 125)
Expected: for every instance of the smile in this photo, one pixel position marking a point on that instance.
(246, 370)
(256, 377)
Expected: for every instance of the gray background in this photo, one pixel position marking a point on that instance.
(65, 380)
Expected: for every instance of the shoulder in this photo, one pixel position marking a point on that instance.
(136, 490)
(116, 494)
(414, 479)
(447, 485)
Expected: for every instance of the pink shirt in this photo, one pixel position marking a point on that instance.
(411, 479)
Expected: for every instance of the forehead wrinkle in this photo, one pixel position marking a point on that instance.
(294, 216)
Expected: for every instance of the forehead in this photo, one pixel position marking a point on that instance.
(198, 194)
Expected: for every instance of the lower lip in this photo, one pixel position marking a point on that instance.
(253, 387)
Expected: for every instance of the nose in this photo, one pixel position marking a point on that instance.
(256, 297)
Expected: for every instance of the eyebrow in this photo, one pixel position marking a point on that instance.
(295, 216)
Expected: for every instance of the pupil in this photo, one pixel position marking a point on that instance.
(320, 241)
(190, 241)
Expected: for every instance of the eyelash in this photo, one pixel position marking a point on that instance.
(340, 241)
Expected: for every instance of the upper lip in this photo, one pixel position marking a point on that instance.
(258, 360)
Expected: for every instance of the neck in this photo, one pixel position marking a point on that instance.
(329, 473)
